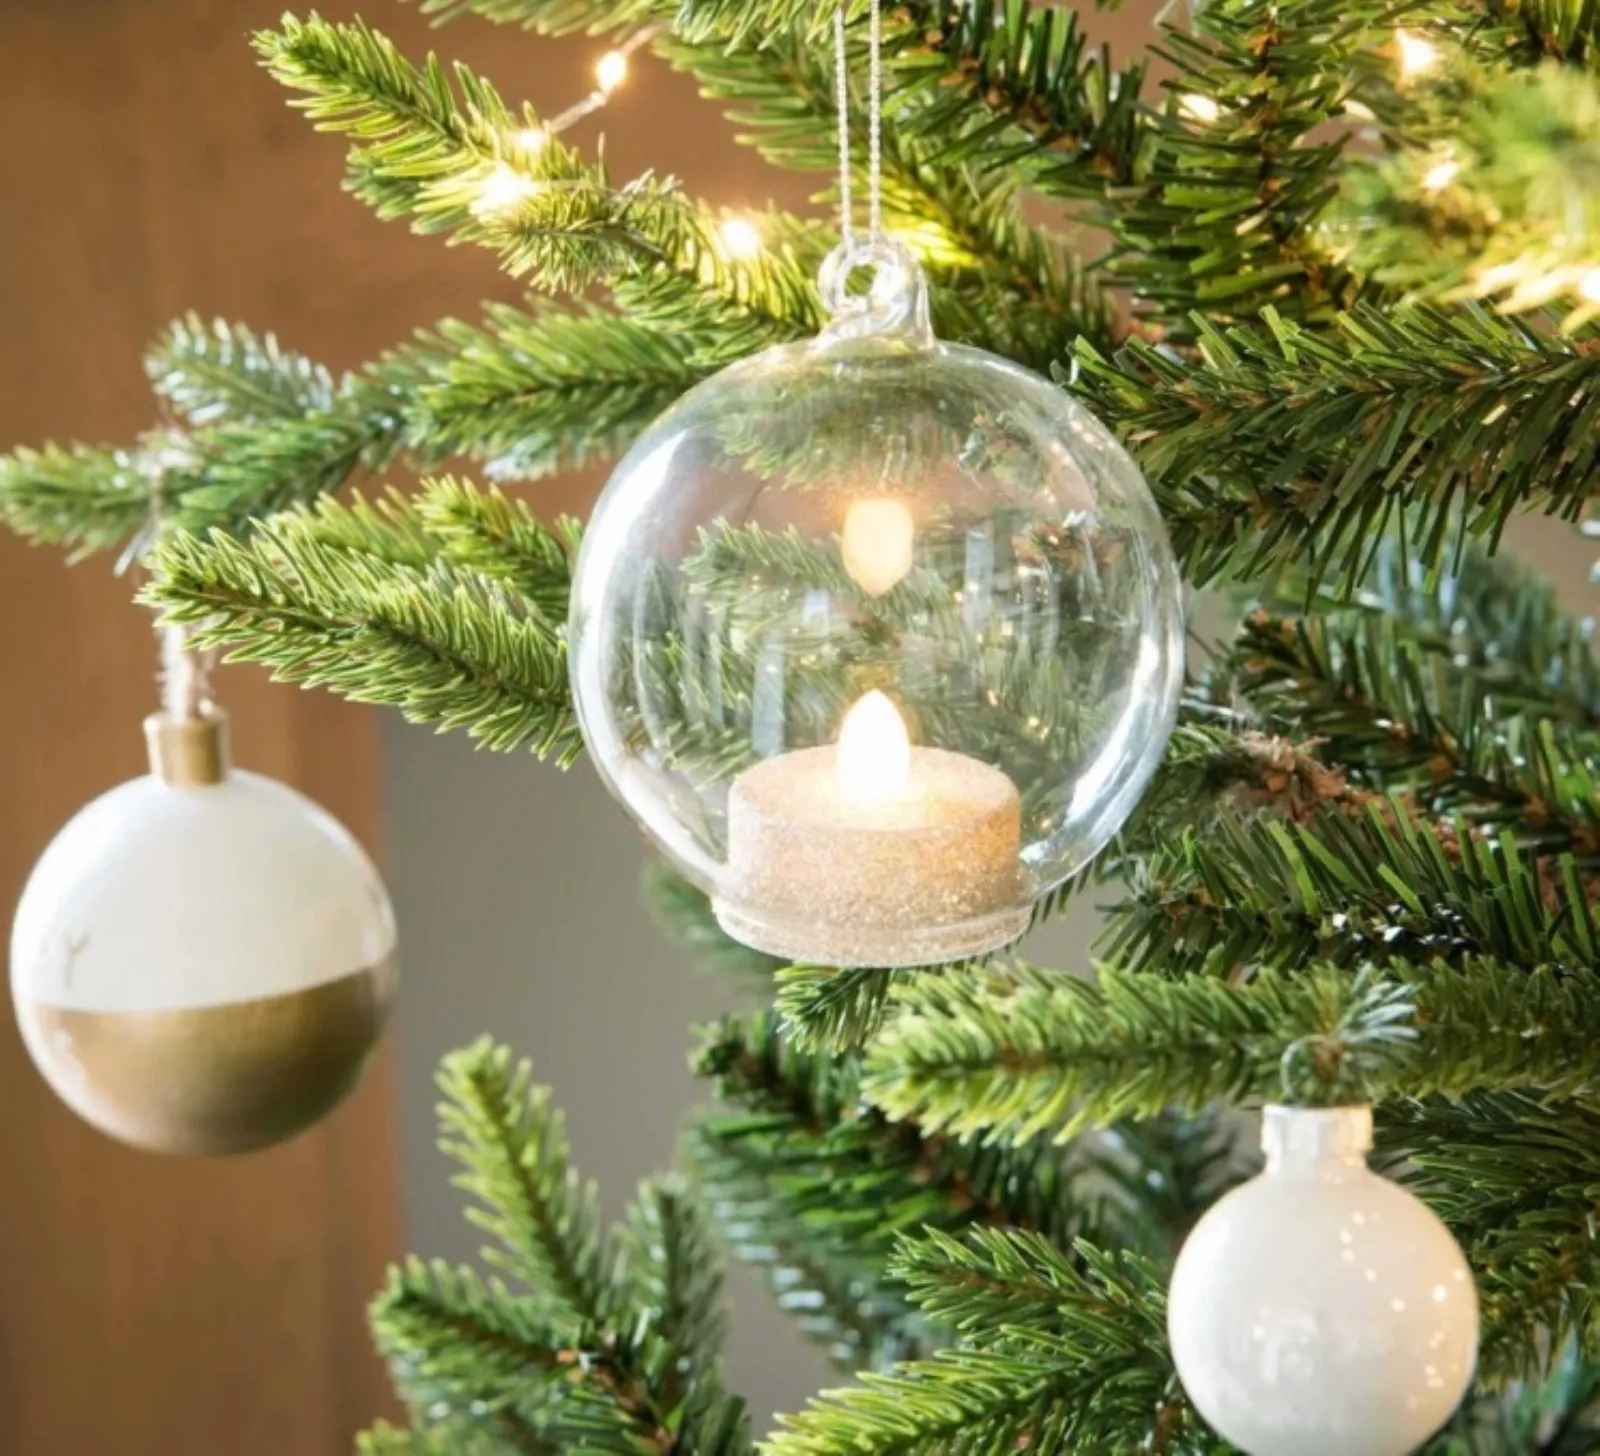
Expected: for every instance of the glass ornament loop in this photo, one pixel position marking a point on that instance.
(895, 304)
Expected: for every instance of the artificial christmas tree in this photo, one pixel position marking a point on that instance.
(1345, 325)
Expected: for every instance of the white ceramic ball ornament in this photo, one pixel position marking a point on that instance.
(1320, 1309)
(879, 638)
(203, 959)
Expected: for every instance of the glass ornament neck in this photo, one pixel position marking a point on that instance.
(1316, 1142)
(893, 306)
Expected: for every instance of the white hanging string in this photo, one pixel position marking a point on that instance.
(875, 122)
(874, 125)
(185, 676)
(841, 90)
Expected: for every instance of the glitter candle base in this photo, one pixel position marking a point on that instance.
(932, 874)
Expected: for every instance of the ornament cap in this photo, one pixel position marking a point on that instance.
(188, 752)
(1316, 1139)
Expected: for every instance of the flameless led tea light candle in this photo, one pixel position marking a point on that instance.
(873, 850)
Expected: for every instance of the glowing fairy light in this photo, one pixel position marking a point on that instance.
(1417, 54)
(503, 191)
(739, 239)
(611, 71)
(532, 140)
(1199, 108)
(1440, 175)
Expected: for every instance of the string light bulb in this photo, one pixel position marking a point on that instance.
(739, 238)
(1440, 175)
(503, 191)
(1589, 286)
(1417, 54)
(532, 139)
(1199, 108)
(611, 71)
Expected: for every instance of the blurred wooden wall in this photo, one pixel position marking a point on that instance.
(151, 1307)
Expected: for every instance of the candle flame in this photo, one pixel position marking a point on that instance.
(874, 751)
(877, 543)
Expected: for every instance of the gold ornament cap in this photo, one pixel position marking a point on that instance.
(188, 752)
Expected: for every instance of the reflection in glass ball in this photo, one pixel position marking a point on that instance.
(879, 525)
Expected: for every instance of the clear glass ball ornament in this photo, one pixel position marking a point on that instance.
(1320, 1309)
(879, 638)
(203, 960)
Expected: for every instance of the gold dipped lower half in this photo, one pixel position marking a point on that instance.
(212, 1080)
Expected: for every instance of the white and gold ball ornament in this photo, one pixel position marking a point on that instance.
(879, 638)
(1320, 1309)
(202, 960)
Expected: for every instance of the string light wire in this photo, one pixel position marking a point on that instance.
(611, 71)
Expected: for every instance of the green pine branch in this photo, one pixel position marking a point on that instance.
(225, 371)
(1549, 29)
(1515, 1176)
(1018, 86)
(532, 391)
(1488, 621)
(1548, 1416)
(502, 539)
(454, 1342)
(807, 1104)
(1225, 221)
(672, 1265)
(1217, 770)
(1489, 196)
(502, 1434)
(1372, 881)
(511, 1148)
(228, 372)
(453, 157)
(542, 390)
(557, 17)
(441, 643)
(998, 281)
(88, 498)
(609, 1343)
(833, 1008)
(1384, 706)
(986, 1054)
(426, 142)
(1280, 446)
(1094, 1376)
(814, 1191)
(82, 497)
